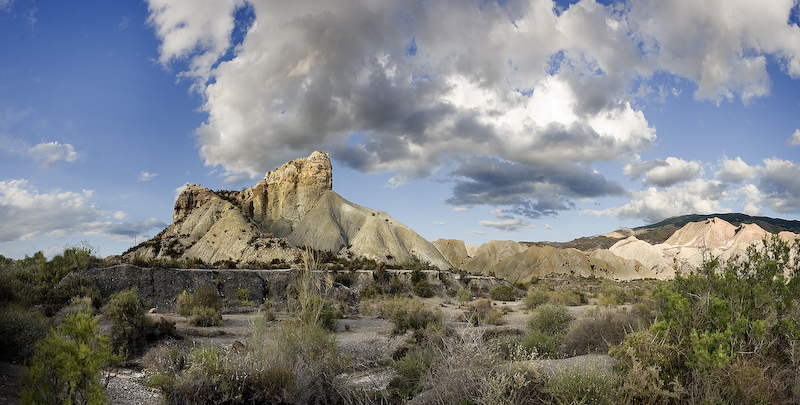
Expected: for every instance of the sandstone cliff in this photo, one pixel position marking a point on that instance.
(293, 206)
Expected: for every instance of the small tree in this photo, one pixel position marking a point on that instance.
(66, 365)
(129, 324)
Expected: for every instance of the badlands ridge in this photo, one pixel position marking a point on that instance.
(295, 206)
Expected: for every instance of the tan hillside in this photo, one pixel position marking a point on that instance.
(711, 233)
(337, 225)
(454, 250)
(628, 258)
(490, 254)
(293, 206)
(538, 261)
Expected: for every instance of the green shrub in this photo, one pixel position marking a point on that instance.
(726, 320)
(550, 319)
(205, 296)
(503, 293)
(243, 296)
(535, 297)
(20, 329)
(205, 316)
(66, 365)
(130, 326)
(463, 296)
(368, 291)
(538, 343)
(423, 289)
(410, 370)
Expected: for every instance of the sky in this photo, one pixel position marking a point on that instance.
(527, 120)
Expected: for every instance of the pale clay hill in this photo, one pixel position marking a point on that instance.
(629, 258)
(294, 206)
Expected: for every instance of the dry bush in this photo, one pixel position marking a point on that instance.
(405, 313)
(535, 297)
(570, 298)
(601, 330)
(582, 384)
(481, 312)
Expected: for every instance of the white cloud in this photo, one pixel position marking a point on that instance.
(145, 176)
(736, 171)
(438, 222)
(780, 186)
(460, 209)
(652, 204)
(27, 213)
(665, 173)
(794, 140)
(197, 30)
(476, 233)
(721, 46)
(750, 197)
(409, 87)
(49, 153)
(548, 226)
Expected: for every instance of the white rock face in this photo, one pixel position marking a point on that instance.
(293, 206)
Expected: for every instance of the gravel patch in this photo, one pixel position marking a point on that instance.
(127, 387)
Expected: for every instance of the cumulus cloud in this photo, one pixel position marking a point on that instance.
(664, 172)
(780, 186)
(750, 197)
(696, 197)
(736, 171)
(49, 153)
(794, 140)
(26, 213)
(145, 176)
(409, 87)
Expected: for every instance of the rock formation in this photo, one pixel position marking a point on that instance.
(293, 206)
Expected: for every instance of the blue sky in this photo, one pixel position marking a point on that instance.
(474, 120)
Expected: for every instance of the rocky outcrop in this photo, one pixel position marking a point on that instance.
(293, 206)
(285, 195)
